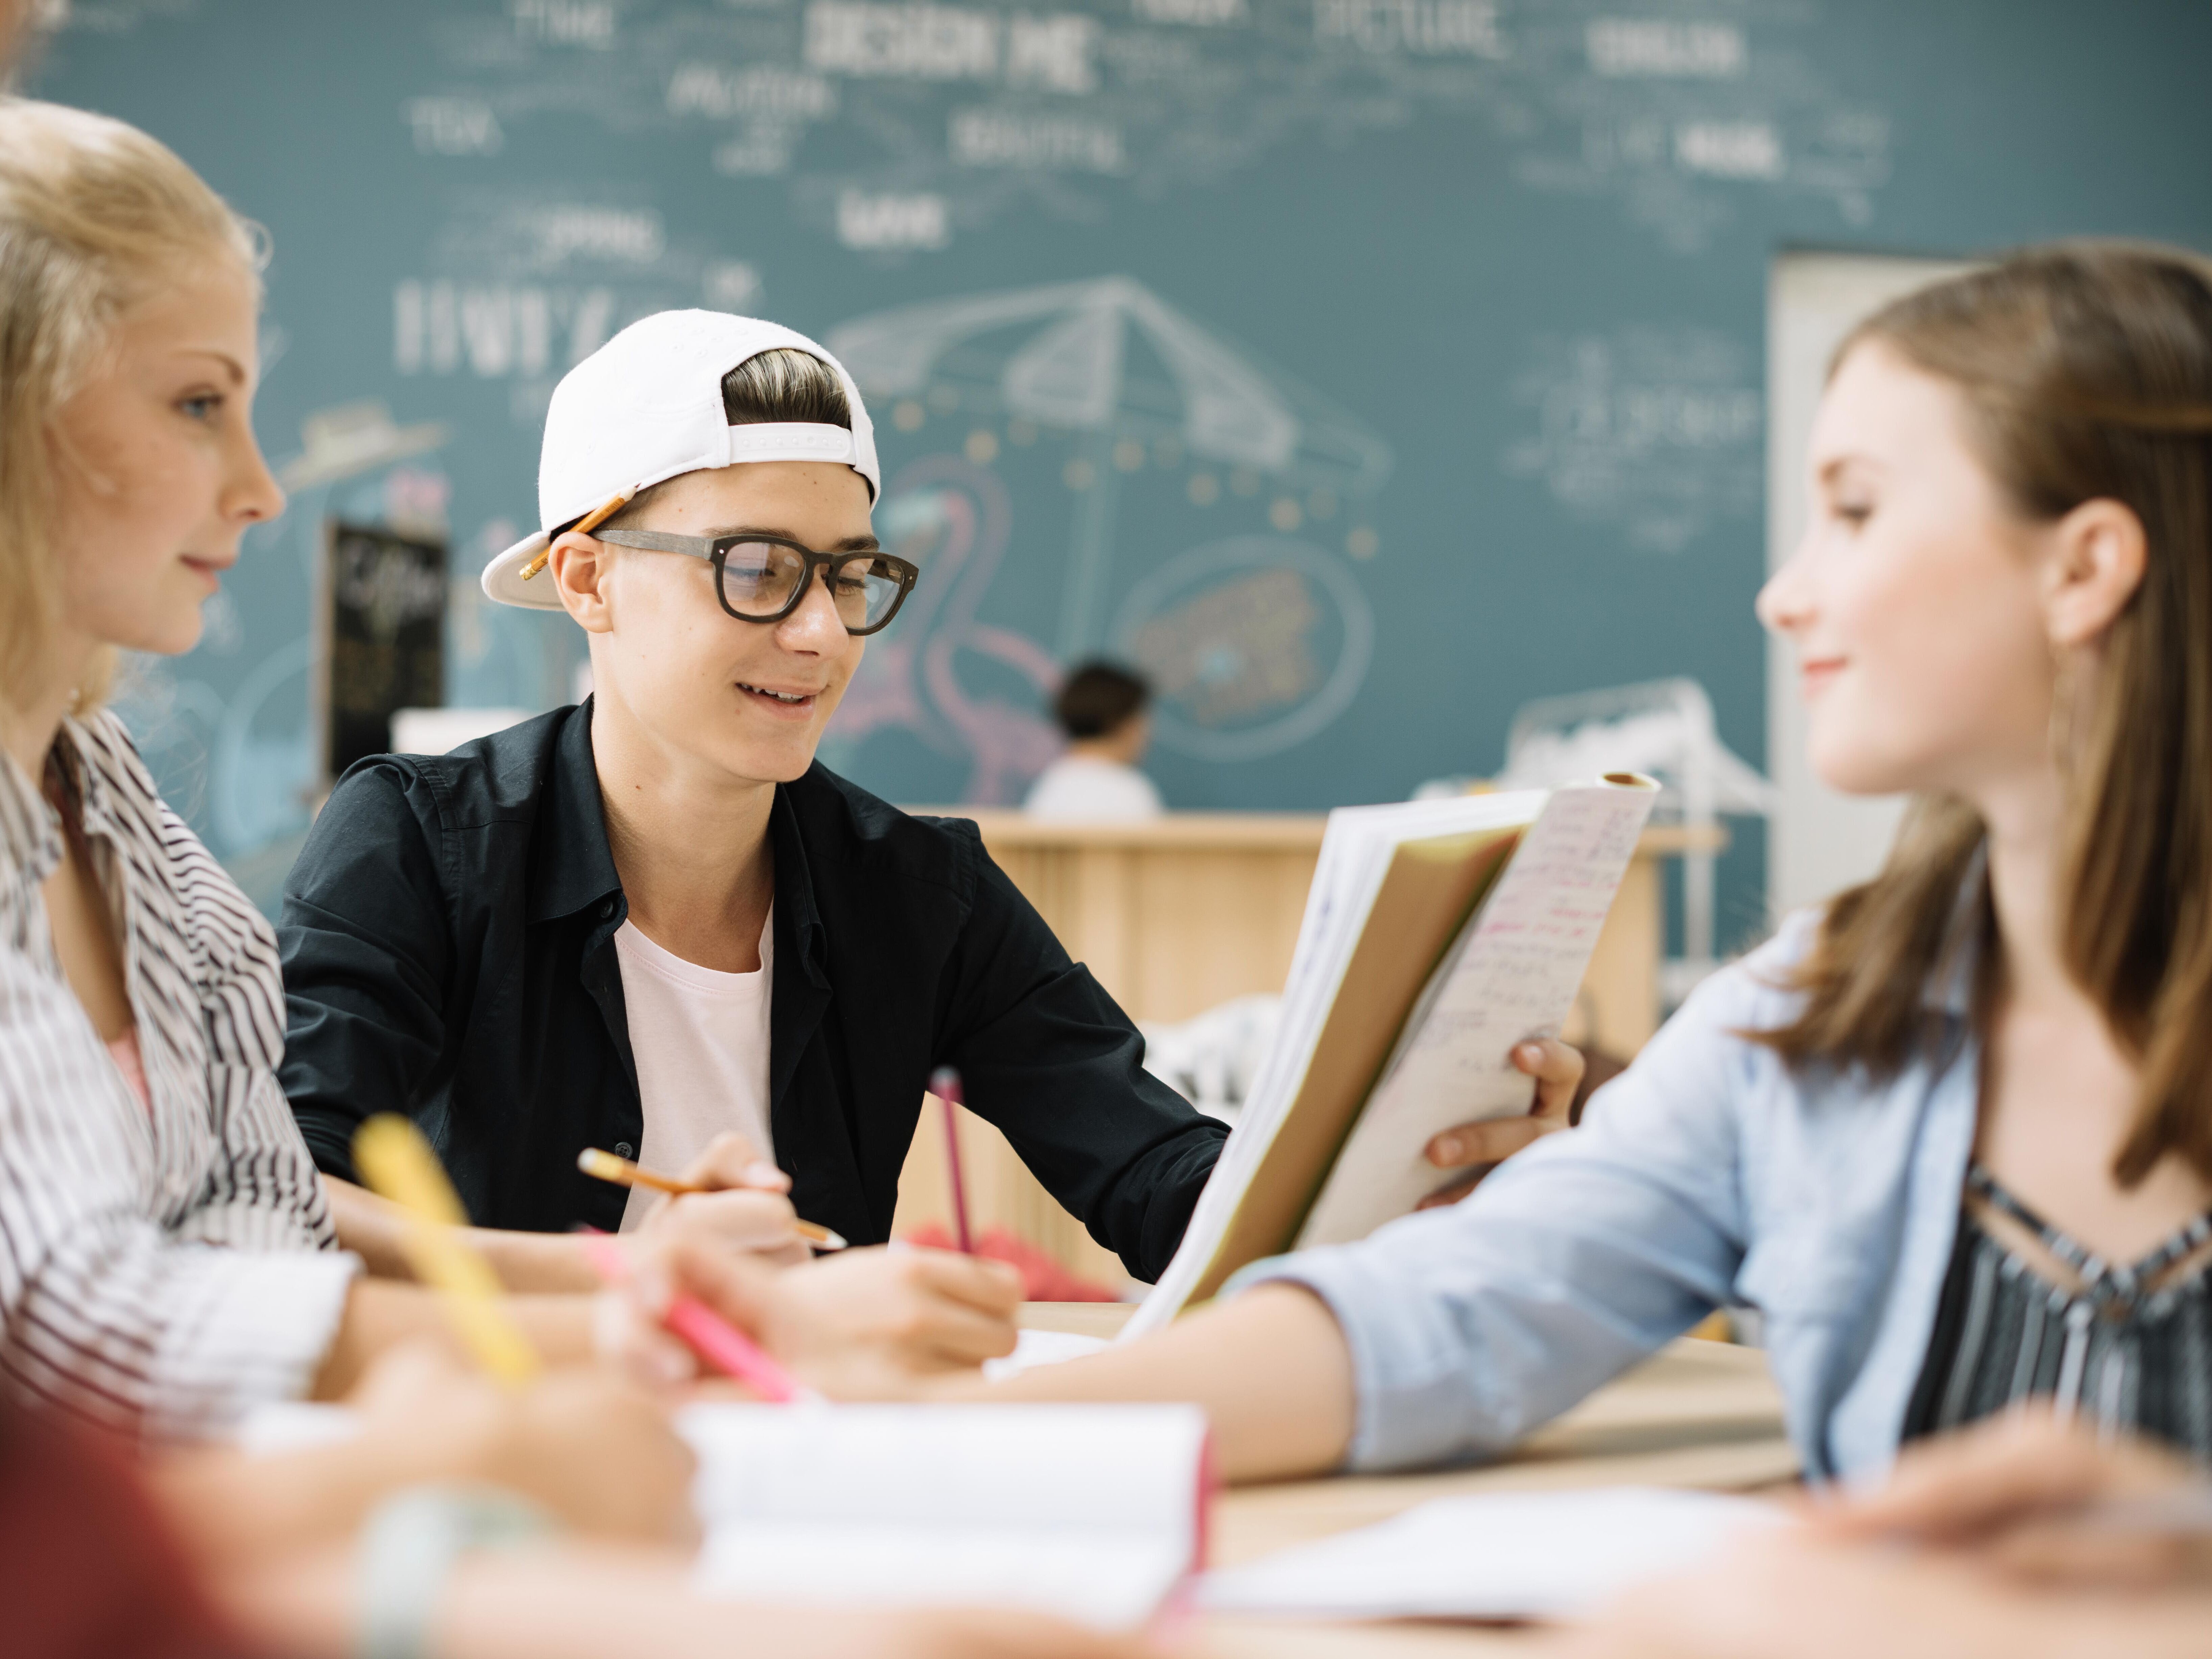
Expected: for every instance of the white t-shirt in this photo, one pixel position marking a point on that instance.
(1083, 787)
(700, 1038)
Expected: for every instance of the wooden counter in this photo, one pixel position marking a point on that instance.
(1177, 915)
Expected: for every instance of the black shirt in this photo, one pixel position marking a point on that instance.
(448, 946)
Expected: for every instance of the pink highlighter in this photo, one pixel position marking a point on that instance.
(705, 1332)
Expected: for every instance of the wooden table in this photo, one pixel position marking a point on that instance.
(1698, 1415)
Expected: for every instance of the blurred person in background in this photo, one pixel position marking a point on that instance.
(1106, 712)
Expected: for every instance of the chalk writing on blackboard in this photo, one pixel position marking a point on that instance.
(934, 105)
(1656, 430)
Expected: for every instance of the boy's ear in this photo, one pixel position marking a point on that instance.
(580, 565)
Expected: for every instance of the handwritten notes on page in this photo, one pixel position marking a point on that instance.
(1512, 975)
(1291, 1125)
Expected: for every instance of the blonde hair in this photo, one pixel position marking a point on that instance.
(2086, 372)
(93, 214)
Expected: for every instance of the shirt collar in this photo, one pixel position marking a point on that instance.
(575, 866)
(794, 881)
(30, 829)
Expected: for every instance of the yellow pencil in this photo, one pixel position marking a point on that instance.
(606, 1166)
(397, 1164)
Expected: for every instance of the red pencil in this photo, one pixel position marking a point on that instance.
(944, 1084)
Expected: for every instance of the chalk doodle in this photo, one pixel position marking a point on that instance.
(1127, 379)
(1256, 642)
(1253, 644)
(1656, 430)
(954, 519)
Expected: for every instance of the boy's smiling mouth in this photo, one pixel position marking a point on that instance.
(781, 699)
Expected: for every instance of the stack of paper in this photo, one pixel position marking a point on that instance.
(1511, 1555)
(1092, 1512)
(1436, 935)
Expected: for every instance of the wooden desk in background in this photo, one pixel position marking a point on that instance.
(1701, 1414)
(1178, 915)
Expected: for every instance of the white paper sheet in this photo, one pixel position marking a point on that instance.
(1509, 1555)
(1087, 1511)
(1036, 1348)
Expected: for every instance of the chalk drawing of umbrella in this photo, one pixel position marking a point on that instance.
(1110, 362)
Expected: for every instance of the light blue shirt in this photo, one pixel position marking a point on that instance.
(1710, 1174)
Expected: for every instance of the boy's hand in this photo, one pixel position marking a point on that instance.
(744, 1207)
(1481, 1147)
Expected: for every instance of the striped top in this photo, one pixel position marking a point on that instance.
(2128, 1345)
(163, 1268)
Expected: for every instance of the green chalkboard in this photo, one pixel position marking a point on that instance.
(1365, 368)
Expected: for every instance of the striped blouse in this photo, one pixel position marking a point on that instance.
(165, 1267)
(2129, 1345)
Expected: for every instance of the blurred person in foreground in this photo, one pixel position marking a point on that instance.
(2027, 1537)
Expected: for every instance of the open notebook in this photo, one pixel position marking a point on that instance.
(1096, 1513)
(1436, 935)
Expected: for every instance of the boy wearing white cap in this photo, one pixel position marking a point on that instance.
(654, 919)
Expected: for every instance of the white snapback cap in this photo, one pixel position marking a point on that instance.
(647, 406)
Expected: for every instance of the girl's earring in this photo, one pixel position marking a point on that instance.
(2066, 707)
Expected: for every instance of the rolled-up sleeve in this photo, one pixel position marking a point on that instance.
(1472, 1326)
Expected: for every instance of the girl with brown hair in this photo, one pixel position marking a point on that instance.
(1953, 1134)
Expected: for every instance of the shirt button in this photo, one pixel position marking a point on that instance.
(623, 1149)
(607, 910)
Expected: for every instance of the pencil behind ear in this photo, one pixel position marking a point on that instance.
(578, 565)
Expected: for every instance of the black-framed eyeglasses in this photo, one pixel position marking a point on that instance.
(761, 579)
